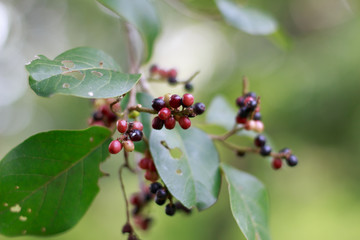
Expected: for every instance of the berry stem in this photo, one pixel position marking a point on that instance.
(245, 85)
(227, 135)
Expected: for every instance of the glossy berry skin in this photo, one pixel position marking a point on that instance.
(285, 150)
(199, 108)
(251, 94)
(154, 187)
(240, 102)
(292, 161)
(115, 147)
(175, 101)
(151, 176)
(121, 125)
(259, 126)
(189, 87)
(172, 80)
(164, 113)
(276, 163)
(257, 116)
(251, 105)
(187, 99)
(144, 163)
(170, 209)
(184, 122)
(159, 201)
(151, 166)
(135, 135)
(247, 100)
(161, 193)
(158, 104)
(127, 228)
(137, 125)
(157, 123)
(244, 112)
(250, 125)
(172, 73)
(170, 123)
(260, 140)
(128, 146)
(265, 150)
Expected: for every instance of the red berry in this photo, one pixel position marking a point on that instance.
(128, 146)
(240, 120)
(105, 109)
(163, 73)
(115, 147)
(154, 69)
(98, 123)
(170, 123)
(157, 123)
(151, 166)
(172, 73)
(247, 100)
(184, 122)
(164, 113)
(136, 199)
(188, 99)
(175, 101)
(137, 125)
(151, 176)
(121, 125)
(240, 102)
(144, 163)
(276, 163)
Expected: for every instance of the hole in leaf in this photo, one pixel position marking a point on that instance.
(17, 187)
(75, 74)
(66, 85)
(68, 64)
(29, 210)
(15, 208)
(23, 218)
(174, 152)
(6, 204)
(179, 172)
(96, 73)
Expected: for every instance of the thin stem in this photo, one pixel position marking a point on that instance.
(124, 193)
(228, 134)
(245, 85)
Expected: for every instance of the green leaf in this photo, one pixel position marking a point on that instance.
(83, 72)
(246, 19)
(140, 13)
(190, 168)
(225, 117)
(48, 182)
(249, 203)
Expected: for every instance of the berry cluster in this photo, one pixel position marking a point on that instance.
(130, 133)
(102, 116)
(265, 150)
(249, 112)
(147, 163)
(290, 159)
(170, 75)
(168, 108)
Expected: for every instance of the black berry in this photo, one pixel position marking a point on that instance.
(265, 150)
(154, 187)
(285, 150)
(199, 108)
(158, 104)
(240, 101)
(260, 141)
(127, 228)
(135, 135)
(170, 209)
(292, 161)
(251, 94)
(161, 194)
(240, 153)
(257, 116)
(160, 201)
(97, 116)
(189, 87)
(251, 105)
(172, 80)
(244, 112)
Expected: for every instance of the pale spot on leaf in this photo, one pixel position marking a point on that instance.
(6, 204)
(23, 218)
(91, 139)
(43, 229)
(90, 94)
(64, 69)
(17, 187)
(66, 85)
(68, 64)
(179, 172)
(75, 74)
(96, 73)
(16, 208)
(29, 210)
(101, 64)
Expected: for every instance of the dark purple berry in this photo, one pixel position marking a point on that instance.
(172, 80)
(154, 187)
(244, 112)
(251, 105)
(285, 150)
(189, 87)
(170, 209)
(199, 108)
(159, 201)
(97, 116)
(260, 141)
(127, 228)
(257, 116)
(135, 135)
(161, 193)
(251, 94)
(292, 161)
(240, 102)
(265, 150)
(158, 104)
(157, 123)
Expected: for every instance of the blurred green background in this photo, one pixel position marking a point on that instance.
(310, 102)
